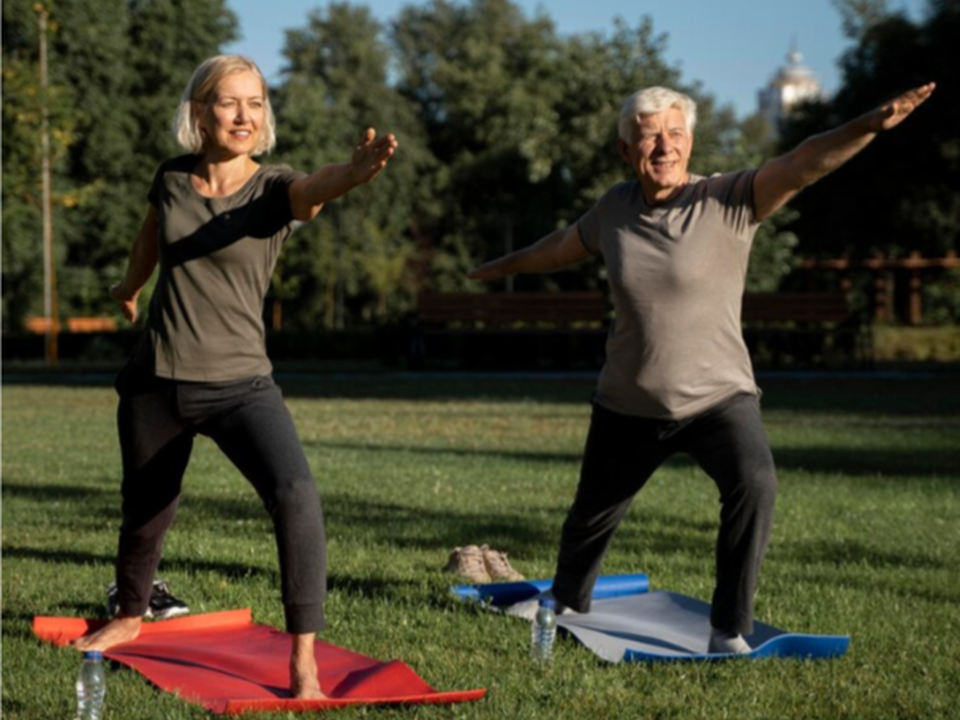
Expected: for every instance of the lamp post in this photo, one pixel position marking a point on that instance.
(52, 324)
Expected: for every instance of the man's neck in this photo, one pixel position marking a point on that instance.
(659, 195)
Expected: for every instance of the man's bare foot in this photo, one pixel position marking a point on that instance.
(304, 684)
(117, 631)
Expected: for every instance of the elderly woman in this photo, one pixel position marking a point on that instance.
(216, 223)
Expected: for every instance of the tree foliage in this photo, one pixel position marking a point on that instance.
(336, 85)
(116, 69)
(903, 192)
(507, 131)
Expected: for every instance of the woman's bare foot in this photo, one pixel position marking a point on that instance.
(304, 684)
(117, 631)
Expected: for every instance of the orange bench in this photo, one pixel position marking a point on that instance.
(41, 325)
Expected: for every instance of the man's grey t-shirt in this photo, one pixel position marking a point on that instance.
(216, 257)
(677, 273)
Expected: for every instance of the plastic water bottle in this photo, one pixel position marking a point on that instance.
(91, 686)
(544, 630)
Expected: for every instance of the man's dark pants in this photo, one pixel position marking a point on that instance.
(622, 452)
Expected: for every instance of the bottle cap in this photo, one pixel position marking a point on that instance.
(93, 655)
(548, 602)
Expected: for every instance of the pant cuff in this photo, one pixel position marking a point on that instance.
(572, 598)
(304, 618)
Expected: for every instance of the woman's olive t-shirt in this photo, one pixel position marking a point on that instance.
(216, 257)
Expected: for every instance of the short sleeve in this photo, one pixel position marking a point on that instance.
(153, 194)
(734, 191)
(277, 188)
(589, 228)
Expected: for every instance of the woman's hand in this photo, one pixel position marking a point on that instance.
(128, 305)
(371, 155)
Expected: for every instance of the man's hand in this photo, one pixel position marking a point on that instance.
(493, 270)
(892, 113)
(371, 155)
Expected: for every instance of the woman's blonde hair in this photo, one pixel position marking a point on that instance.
(200, 91)
(651, 101)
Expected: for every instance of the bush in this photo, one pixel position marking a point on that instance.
(917, 344)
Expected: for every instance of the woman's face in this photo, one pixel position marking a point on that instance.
(232, 122)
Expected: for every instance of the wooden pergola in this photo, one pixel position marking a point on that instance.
(883, 268)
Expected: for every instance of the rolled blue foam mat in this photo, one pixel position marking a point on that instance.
(628, 622)
(504, 594)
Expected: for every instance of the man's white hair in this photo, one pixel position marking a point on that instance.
(651, 101)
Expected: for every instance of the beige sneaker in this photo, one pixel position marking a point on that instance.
(467, 562)
(498, 567)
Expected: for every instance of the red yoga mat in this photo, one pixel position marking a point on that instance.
(228, 665)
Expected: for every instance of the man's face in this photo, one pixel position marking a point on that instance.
(659, 154)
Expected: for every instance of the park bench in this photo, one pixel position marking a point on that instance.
(519, 329)
(556, 330)
(805, 329)
(41, 325)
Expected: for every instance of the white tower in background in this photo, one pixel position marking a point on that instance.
(788, 86)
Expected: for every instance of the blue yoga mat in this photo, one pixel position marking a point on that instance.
(504, 594)
(628, 622)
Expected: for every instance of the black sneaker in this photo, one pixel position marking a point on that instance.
(163, 605)
(113, 605)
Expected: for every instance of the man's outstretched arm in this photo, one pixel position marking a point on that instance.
(778, 180)
(552, 252)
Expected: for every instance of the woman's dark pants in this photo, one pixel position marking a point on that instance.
(158, 420)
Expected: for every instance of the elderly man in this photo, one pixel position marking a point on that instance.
(677, 377)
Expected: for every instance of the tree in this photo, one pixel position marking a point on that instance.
(522, 120)
(507, 130)
(903, 192)
(335, 85)
(117, 68)
(482, 78)
(23, 107)
(525, 121)
(859, 16)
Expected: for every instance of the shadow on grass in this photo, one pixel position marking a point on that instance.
(857, 393)
(177, 563)
(852, 553)
(523, 533)
(440, 530)
(875, 586)
(541, 388)
(872, 464)
(506, 455)
(556, 388)
(928, 394)
(72, 493)
(866, 463)
(924, 396)
(369, 586)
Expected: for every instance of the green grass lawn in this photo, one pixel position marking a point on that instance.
(866, 543)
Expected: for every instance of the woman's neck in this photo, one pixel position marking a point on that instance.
(218, 176)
